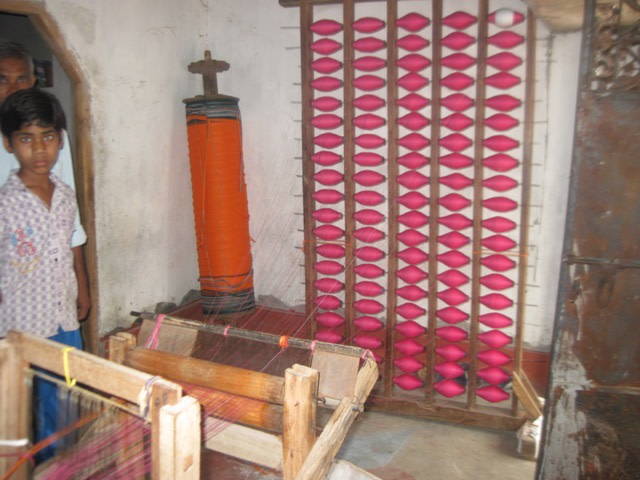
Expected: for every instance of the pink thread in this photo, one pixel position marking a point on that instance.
(312, 347)
(152, 341)
(226, 330)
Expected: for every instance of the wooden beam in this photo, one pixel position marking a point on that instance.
(298, 418)
(526, 394)
(179, 440)
(248, 444)
(14, 409)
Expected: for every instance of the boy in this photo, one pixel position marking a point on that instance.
(38, 284)
(17, 73)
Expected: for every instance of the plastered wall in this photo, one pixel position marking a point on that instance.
(135, 55)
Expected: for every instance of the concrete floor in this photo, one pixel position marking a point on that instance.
(393, 447)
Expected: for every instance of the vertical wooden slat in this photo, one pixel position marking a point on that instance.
(434, 194)
(180, 433)
(161, 393)
(298, 417)
(529, 100)
(308, 168)
(349, 168)
(481, 73)
(392, 193)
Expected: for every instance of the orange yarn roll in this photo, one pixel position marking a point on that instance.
(220, 204)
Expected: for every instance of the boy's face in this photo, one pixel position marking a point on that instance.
(36, 148)
(15, 75)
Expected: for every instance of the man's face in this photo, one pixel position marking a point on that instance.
(15, 75)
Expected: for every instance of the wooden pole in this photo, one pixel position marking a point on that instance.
(179, 440)
(299, 418)
(14, 409)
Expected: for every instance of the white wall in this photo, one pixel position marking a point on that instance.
(135, 56)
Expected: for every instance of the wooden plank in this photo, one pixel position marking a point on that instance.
(298, 418)
(337, 374)
(179, 427)
(248, 444)
(224, 378)
(171, 338)
(527, 395)
(14, 408)
(87, 369)
(119, 345)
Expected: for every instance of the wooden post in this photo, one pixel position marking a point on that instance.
(179, 440)
(14, 408)
(298, 417)
(119, 345)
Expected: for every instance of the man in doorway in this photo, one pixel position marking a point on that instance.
(17, 73)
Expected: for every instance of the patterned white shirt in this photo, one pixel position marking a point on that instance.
(63, 169)
(37, 280)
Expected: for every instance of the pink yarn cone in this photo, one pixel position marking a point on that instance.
(494, 358)
(369, 83)
(500, 162)
(453, 296)
(500, 143)
(326, 46)
(326, 215)
(500, 183)
(369, 103)
(368, 306)
(455, 142)
(329, 319)
(368, 178)
(326, 84)
(368, 234)
(326, 104)
(408, 364)
(369, 44)
(327, 196)
(413, 121)
(328, 267)
(368, 216)
(369, 63)
(368, 121)
(412, 81)
(449, 369)
(413, 62)
(411, 274)
(326, 27)
(458, 61)
(369, 140)
(451, 334)
(368, 159)
(501, 122)
(457, 40)
(453, 278)
(408, 382)
(457, 81)
(495, 320)
(500, 204)
(368, 289)
(457, 102)
(368, 25)
(410, 311)
(452, 353)
(495, 281)
(369, 254)
(498, 263)
(413, 141)
(330, 250)
(502, 80)
(326, 159)
(453, 240)
(492, 393)
(369, 198)
(503, 103)
(495, 338)
(408, 347)
(455, 221)
(326, 121)
(459, 20)
(453, 259)
(412, 42)
(328, 140)
(329, 336)
(504, 61)
(412, 22)
(413, 160)
(412, 238)
(413, 101)
(410, 329)
(413, 180)
(368, 324)
(457, 121)
(326, 65)
(368, 270)
(328, 285)
(498, 224)
(493, 375)
(449, 388)
(452, 315)
(498, 243)
(505, 39)
(454, 202)
(413, 200)
(413, 256)
(413, 219)
(328, 302)
(328, 177)
(411, 292)
(496, 301)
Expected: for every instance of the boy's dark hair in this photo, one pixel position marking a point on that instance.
(15, 50)
(31, 107)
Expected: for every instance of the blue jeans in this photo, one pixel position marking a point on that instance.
(46, 399)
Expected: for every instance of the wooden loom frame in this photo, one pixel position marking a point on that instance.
(175, 419)
(297, 451)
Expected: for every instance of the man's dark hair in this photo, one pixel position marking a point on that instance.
(15, 50)
(31, 107)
